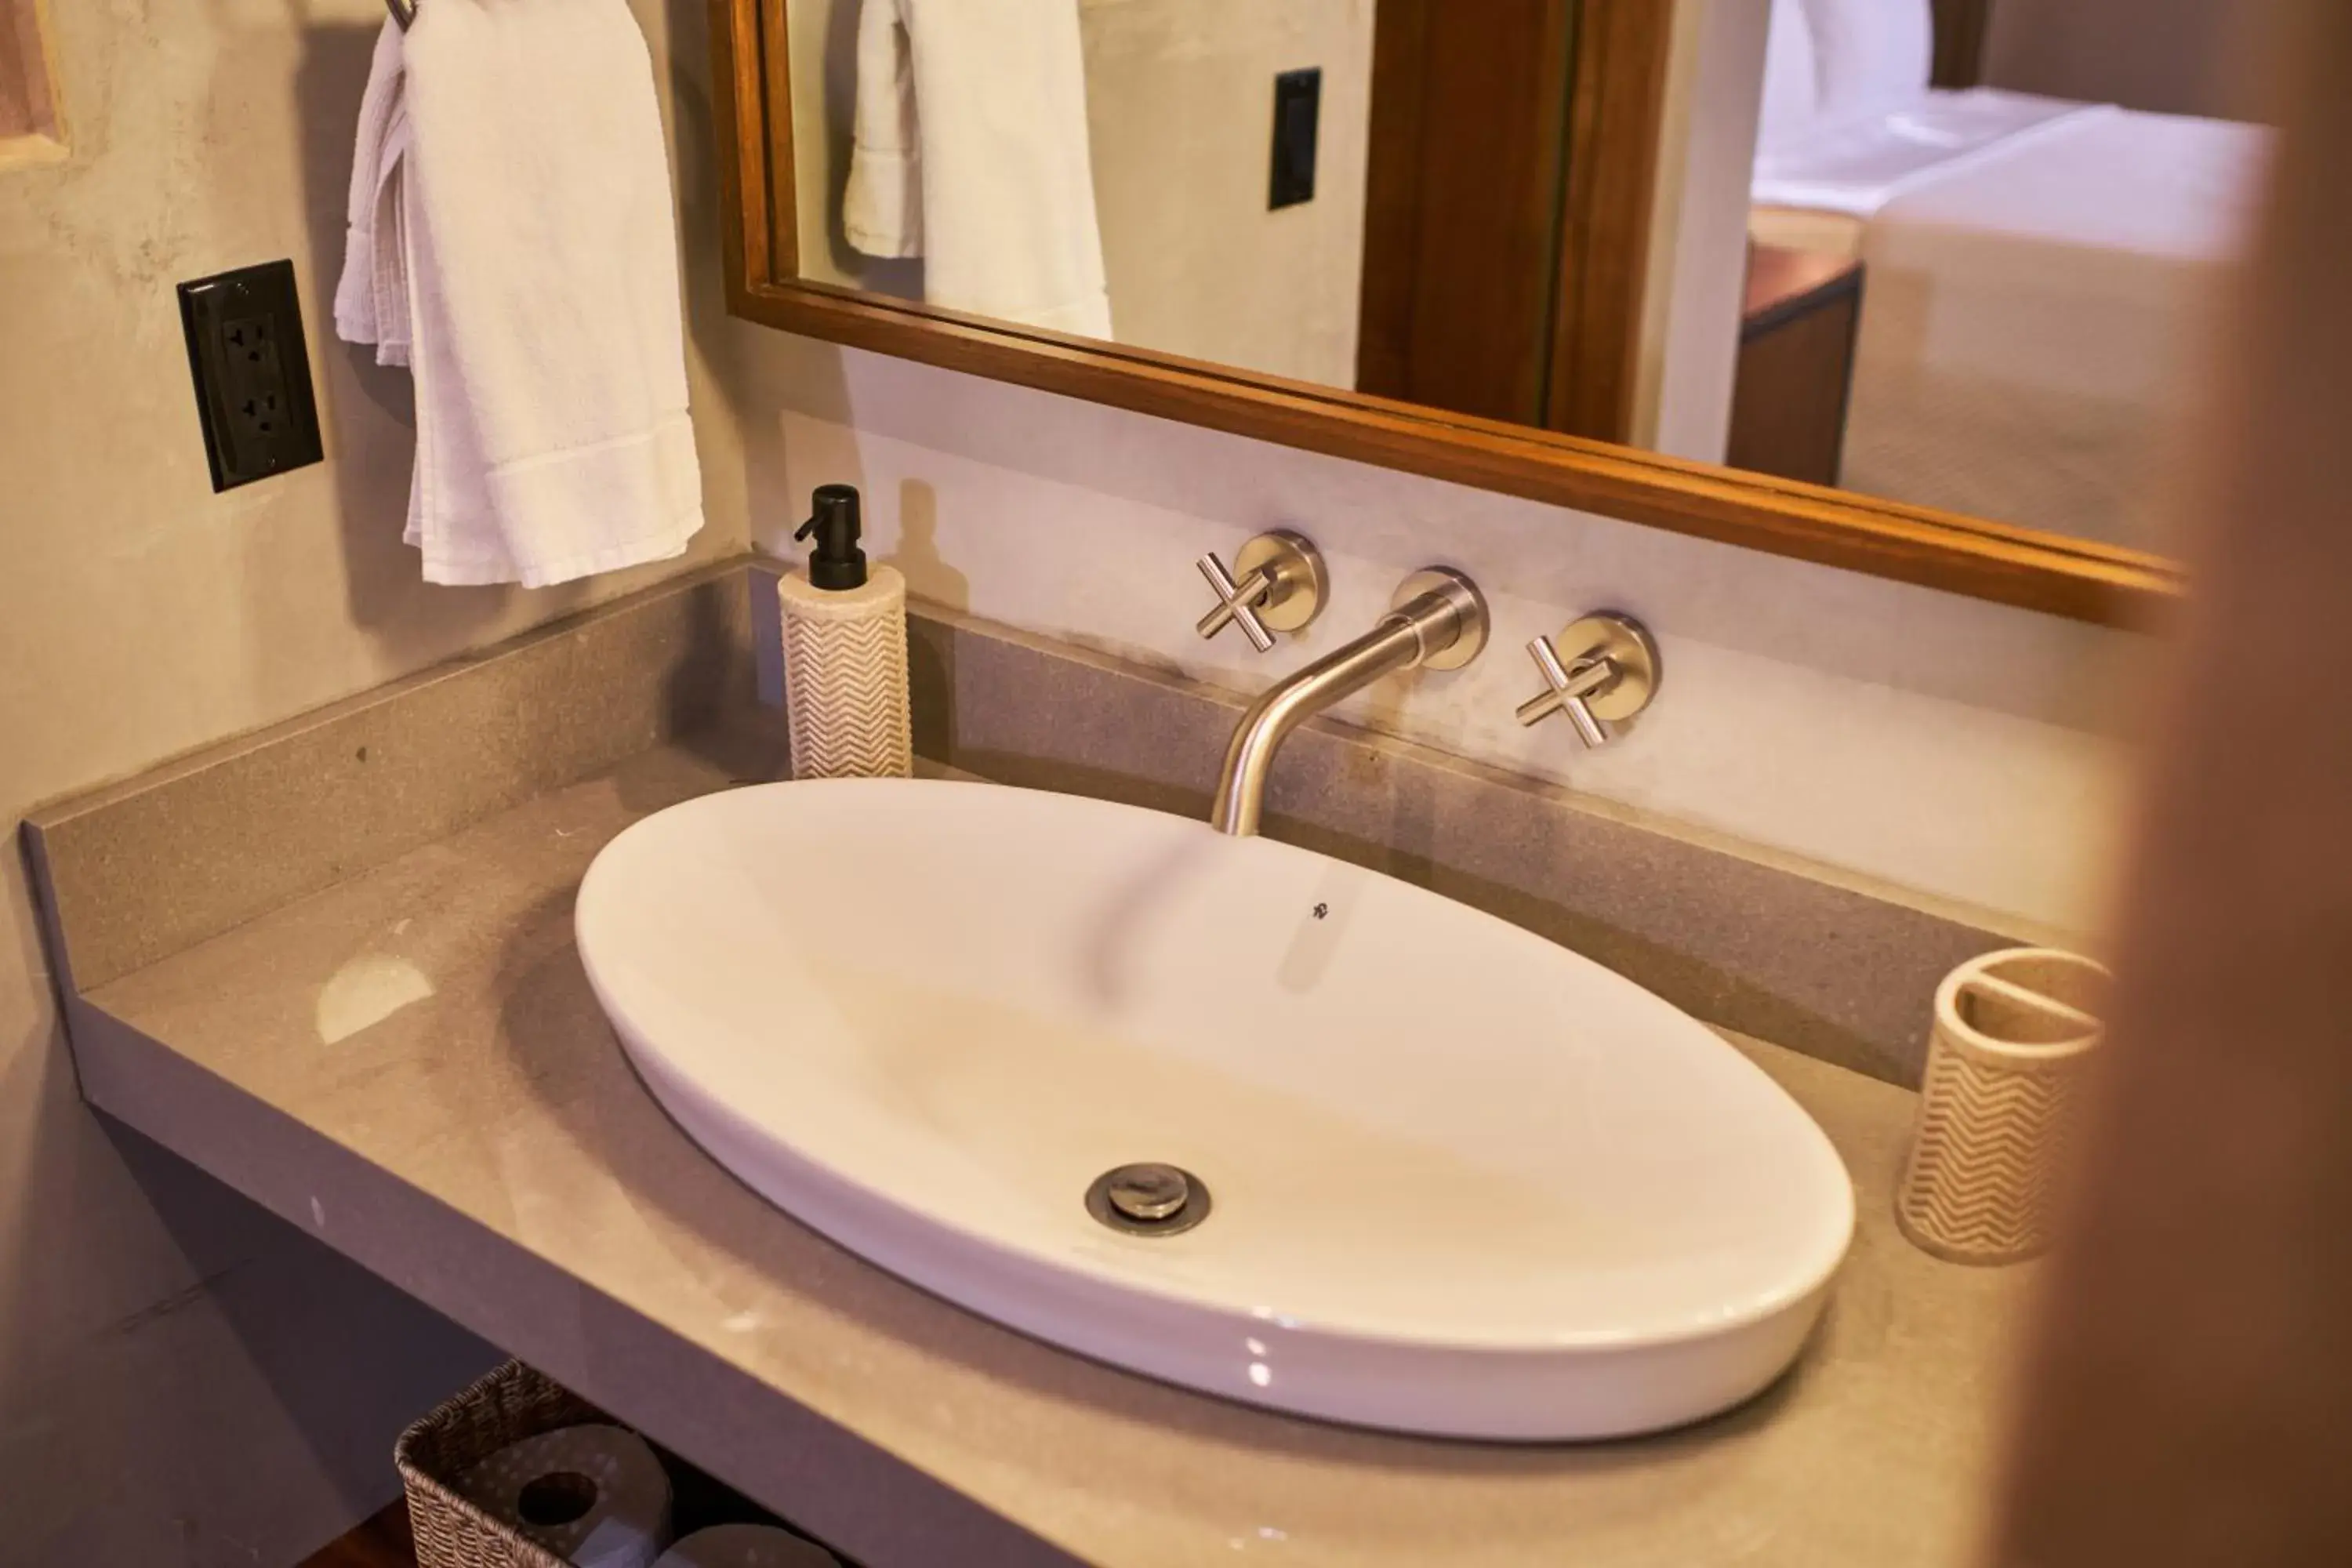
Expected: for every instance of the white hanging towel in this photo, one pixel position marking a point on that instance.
(512, 242)
(971, 152)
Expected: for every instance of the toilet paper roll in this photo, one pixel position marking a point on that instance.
(746, 1546)
(595, 1496)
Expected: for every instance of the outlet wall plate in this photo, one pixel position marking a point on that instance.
(252, 369)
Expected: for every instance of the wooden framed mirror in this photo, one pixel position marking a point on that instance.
(1537, 392)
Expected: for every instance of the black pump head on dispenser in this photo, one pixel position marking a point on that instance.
(836, 562)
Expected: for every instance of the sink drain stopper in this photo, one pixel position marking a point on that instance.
(1149, 1199)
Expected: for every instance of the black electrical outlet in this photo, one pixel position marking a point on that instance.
(253, 373)
(1297, 106)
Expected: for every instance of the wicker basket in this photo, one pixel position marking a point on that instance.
(510, 1405)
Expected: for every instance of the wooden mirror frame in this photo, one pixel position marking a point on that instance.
(2006, 563)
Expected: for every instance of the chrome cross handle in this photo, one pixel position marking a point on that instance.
(1237, 603)
(1602, 670)
(1280, 589)
(1569, 691)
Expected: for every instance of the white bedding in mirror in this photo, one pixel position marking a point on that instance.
(1857, 166)
(2040, 277)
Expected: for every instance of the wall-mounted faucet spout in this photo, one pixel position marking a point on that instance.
(1438, 619)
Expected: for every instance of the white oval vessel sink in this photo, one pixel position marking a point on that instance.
(1460, 1180)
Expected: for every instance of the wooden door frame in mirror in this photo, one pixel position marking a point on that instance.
(1998, 562)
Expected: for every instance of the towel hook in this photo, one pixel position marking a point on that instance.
(404, 12)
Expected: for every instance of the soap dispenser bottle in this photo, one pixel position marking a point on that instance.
(845, 652)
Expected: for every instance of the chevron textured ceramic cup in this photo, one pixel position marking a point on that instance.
(2013, 1035)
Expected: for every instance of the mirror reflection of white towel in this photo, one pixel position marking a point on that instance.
(971, 152)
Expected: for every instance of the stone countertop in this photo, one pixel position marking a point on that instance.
(410, 1066)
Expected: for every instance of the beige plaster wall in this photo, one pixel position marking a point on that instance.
(183, 1380)
(1181, 101)
(1180, 109)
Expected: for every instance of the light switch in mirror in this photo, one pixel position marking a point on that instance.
(1297, 113)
